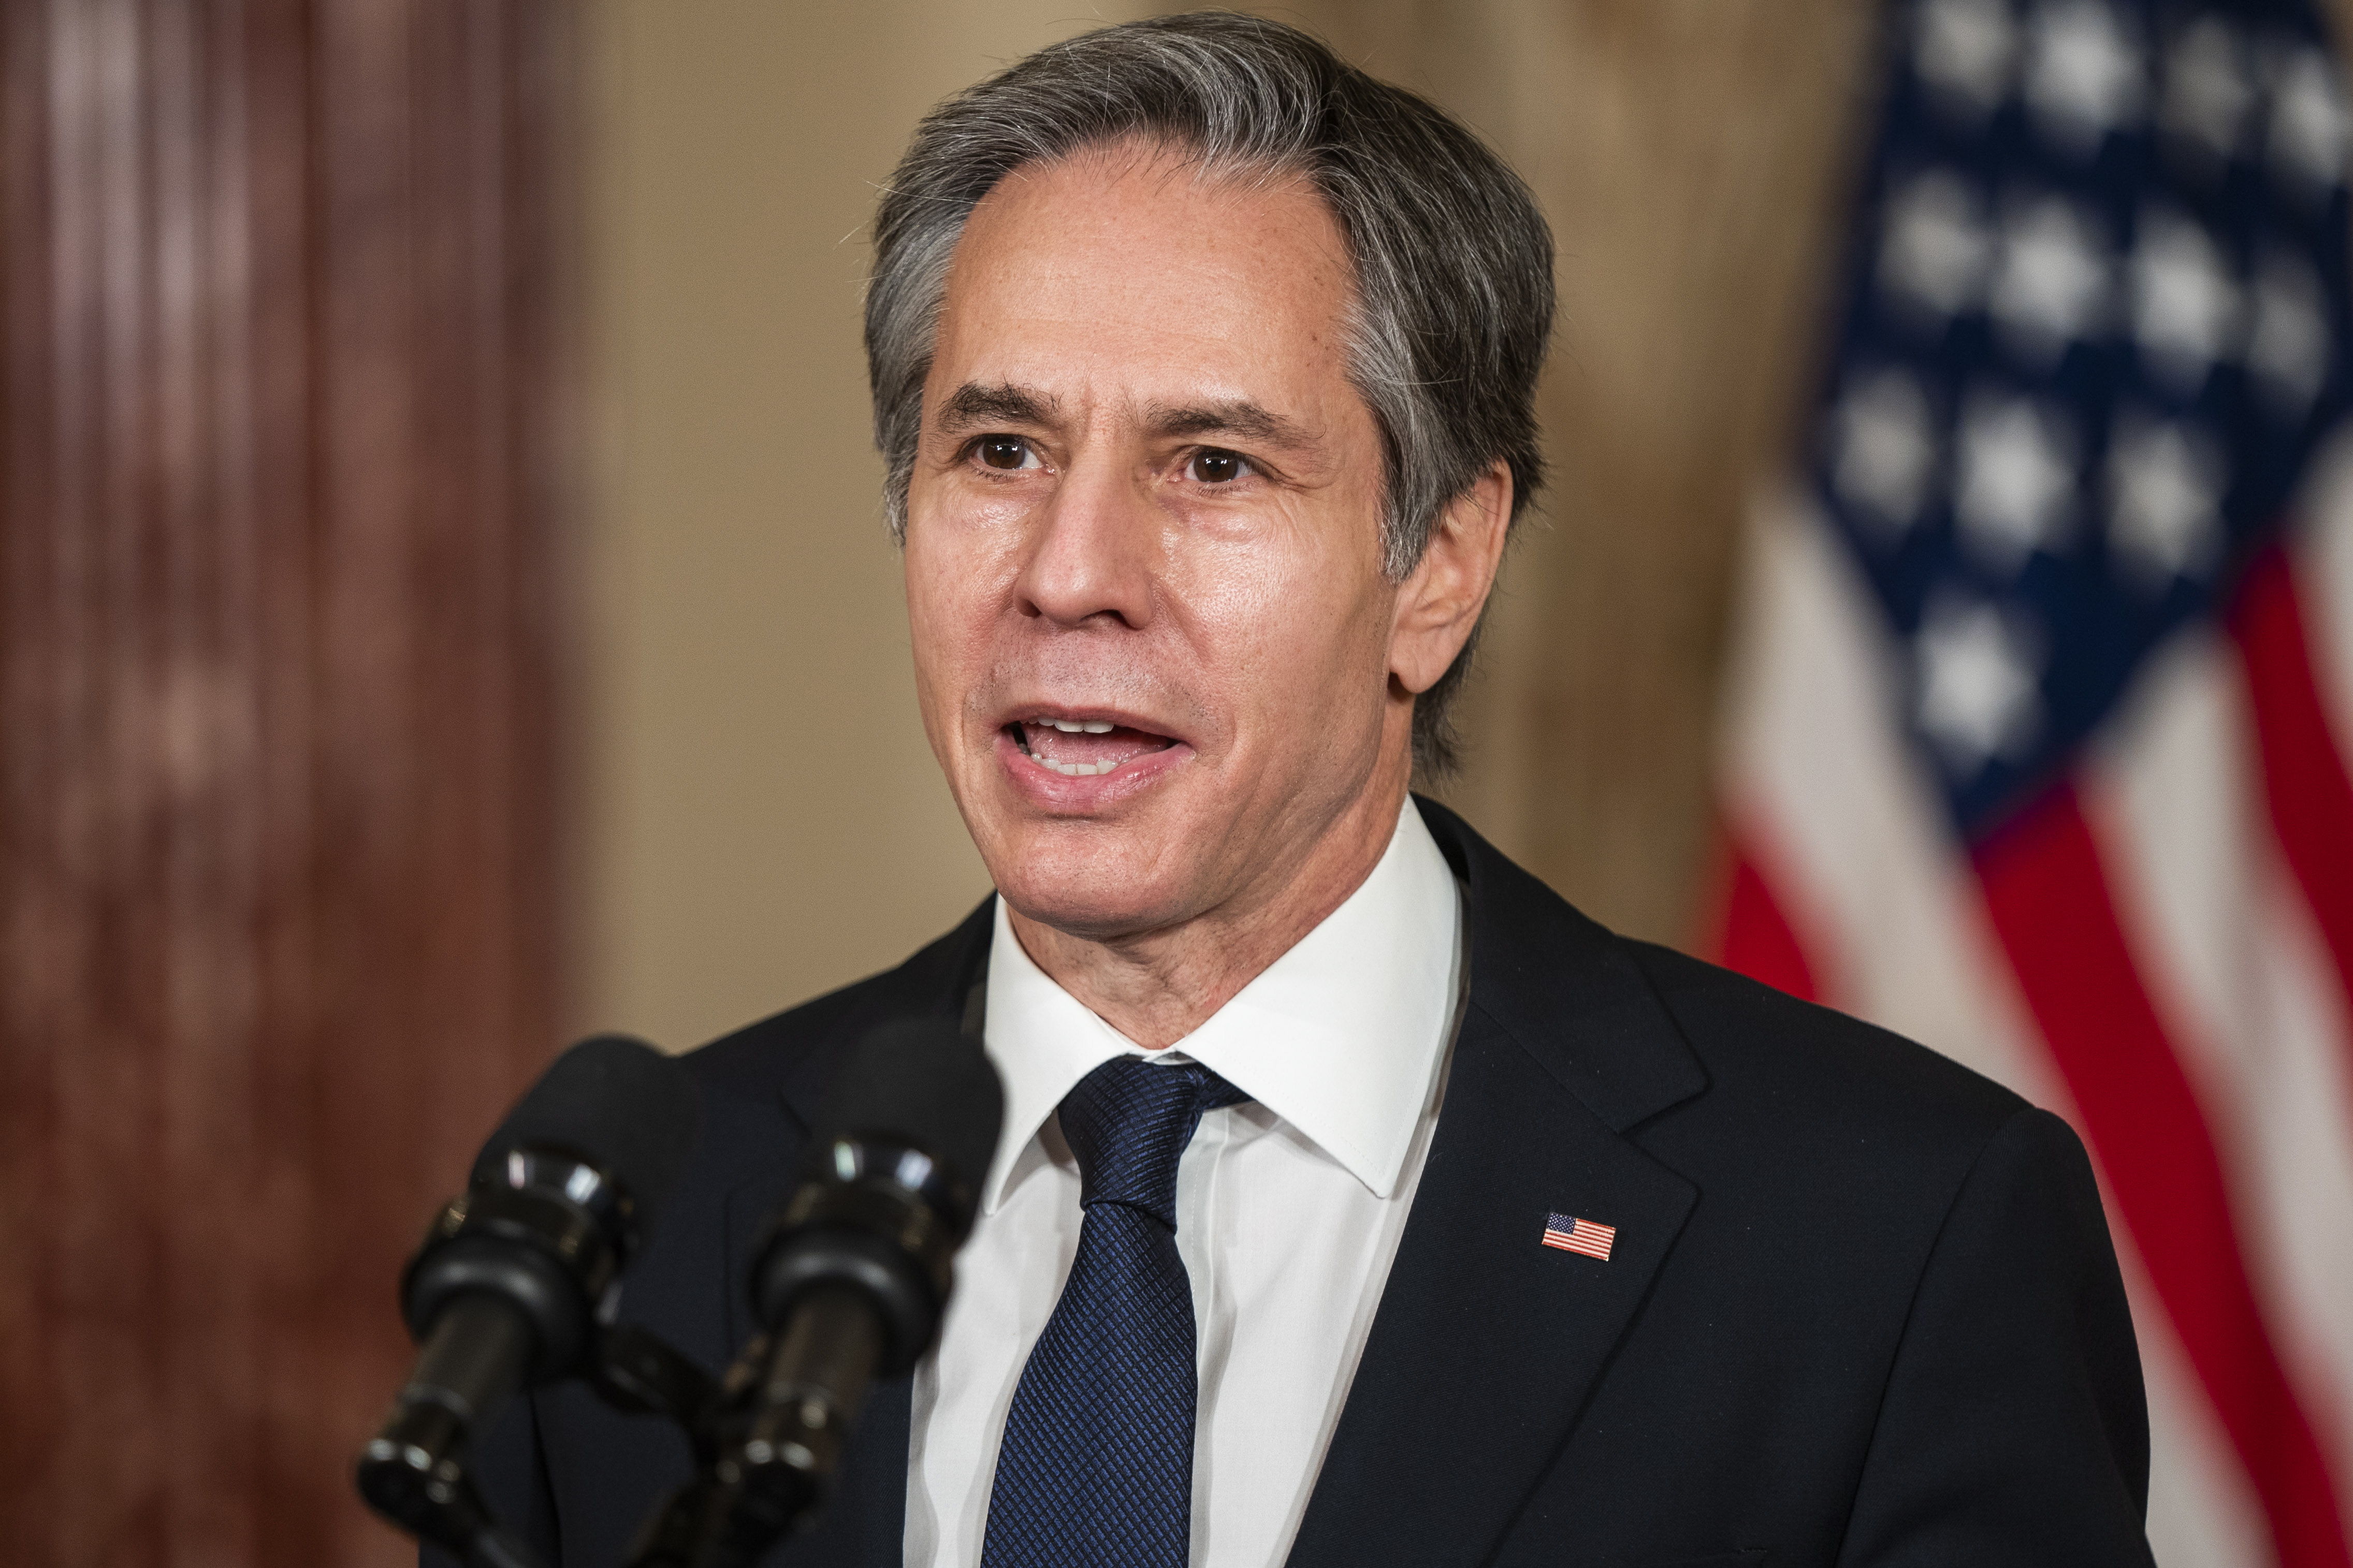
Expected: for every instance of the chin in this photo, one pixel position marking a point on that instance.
(1091, 903)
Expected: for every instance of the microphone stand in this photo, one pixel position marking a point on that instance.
(774, 1439)
(851, 1282)
(632, 1368)
(766, 1441)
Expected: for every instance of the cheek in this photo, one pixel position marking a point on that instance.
(920, 567)
(1301, 632)
(941, 608)
(961, 541)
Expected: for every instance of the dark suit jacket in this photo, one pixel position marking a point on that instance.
(1861, 1307)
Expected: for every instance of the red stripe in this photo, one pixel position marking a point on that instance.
(2304, 783)
(1754, 937)
(2050, 902)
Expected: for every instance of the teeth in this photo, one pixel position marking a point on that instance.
(1071, 727)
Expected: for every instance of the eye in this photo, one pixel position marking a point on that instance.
(1212, 466)
(1006, 452)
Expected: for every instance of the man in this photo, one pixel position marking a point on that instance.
(1359, 1201)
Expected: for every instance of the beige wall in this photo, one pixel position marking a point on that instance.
(765, 821)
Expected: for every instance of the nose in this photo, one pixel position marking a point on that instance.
(1091, 557)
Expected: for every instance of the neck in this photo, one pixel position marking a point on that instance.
(1158, 986)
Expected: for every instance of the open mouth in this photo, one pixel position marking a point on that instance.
(1083, 748)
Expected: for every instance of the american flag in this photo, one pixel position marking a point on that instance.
(2037, 745)
(1573, 1234)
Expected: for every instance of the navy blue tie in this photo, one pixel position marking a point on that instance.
(1096, 1469)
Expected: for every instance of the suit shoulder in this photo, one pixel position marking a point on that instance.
(781, 1052)
(1817, 1068)
(767, 1050)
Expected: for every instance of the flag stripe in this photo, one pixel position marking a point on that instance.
(2202, 1509)
(2047, 892)
(2305, 781)
(1754, 937)
(2242, 987)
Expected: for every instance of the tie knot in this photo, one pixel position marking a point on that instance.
(1128, 1122)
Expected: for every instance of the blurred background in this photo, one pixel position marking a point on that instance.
(444, 608)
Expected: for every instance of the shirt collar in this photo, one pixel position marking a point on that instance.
(1340, 1036)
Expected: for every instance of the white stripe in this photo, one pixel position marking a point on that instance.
(2226, 949)
(1815, 767)
(2202, 1514)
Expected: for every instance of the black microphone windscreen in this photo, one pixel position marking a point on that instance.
(615, 1102)
(925, 1082)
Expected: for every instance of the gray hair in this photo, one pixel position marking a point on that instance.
(1453, 262)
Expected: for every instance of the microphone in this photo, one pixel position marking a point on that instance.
(849, 1286)
(514, 1275)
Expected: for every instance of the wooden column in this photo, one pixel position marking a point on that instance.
(278, 739)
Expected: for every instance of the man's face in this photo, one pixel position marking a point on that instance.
(1152, 633)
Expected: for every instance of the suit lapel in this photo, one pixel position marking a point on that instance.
(1487, 1342)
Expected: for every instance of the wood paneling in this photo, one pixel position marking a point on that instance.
(277, 742)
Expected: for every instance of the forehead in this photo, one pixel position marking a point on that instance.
(1123, 273)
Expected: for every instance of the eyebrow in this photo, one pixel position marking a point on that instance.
(1240, 417)
(973, 404)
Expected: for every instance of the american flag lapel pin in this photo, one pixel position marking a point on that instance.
(1573, 1234)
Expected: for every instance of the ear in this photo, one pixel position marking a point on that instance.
(1438, 605)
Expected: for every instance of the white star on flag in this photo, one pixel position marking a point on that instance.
(1963, 51)
(2016, 485)
(1935, 247)
(2186, 310)
(2206, 92)
(2166, 520)
(2084, 74)
(1978, 698)
(1885, 449)
(2288, 347)
(2308, 121)
(2051, 285)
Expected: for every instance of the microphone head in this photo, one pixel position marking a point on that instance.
(922, 1082)
(615, 1102)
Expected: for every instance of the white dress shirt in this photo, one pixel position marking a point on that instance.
(1288, 1208)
